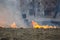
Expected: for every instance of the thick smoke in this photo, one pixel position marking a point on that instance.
(10, 12)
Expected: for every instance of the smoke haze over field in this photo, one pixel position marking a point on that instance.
(10, 12)
(22, 12)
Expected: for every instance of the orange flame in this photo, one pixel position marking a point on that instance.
(1, 26)
(13, 25)
(36, 25)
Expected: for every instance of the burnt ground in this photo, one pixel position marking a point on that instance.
(29, 34)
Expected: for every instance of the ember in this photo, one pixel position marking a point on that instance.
(13, 25)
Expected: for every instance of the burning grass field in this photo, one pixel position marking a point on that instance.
(29, 34)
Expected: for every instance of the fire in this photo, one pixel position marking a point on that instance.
(36, 25)
(13, 25)
(1, 26)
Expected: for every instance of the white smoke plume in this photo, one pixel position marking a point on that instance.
(10, 12)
